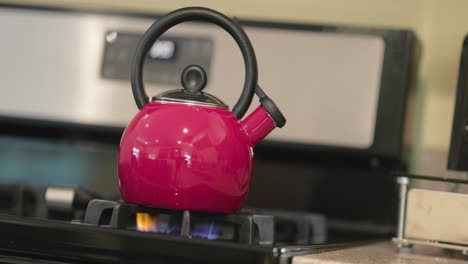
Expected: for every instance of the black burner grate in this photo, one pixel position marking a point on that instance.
(242, 228)
(248, 227)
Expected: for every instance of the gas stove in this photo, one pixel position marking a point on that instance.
(69, 225)
(320, 184)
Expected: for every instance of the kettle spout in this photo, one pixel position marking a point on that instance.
(258, 125)
(263, 119)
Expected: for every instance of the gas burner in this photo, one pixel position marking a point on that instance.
(248, 227)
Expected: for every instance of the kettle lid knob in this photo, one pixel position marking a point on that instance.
(193, 79)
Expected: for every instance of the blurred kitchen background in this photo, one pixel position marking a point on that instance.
(431, 31)
(367, 86)
(440, 27)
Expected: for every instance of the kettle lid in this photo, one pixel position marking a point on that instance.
(193, 82)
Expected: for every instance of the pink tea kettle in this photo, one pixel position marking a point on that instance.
(185, 149)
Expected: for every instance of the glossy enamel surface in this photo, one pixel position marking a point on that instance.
(185, 156)
(258, 125)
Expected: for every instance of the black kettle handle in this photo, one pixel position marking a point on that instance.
(201, 14)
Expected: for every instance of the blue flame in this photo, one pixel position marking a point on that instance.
(174, 230)
(206, 231)
(171, 230)
(149, 223)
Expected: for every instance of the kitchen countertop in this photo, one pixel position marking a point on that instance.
(384, 252)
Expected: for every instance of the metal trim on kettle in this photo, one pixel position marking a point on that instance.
(185, 149)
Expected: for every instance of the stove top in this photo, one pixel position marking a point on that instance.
(68, 225)
(65, 242)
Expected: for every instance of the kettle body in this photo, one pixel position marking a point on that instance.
(185, 156)
(185, 149)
